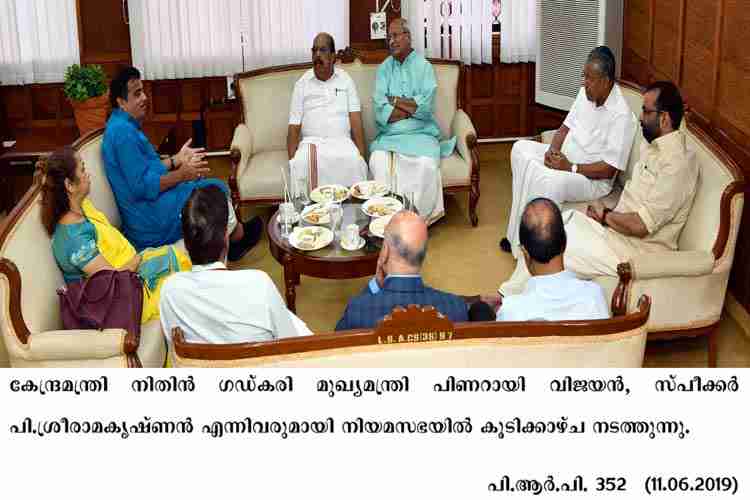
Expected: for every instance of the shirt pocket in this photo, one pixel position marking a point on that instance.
(646, 181)
(341, 100)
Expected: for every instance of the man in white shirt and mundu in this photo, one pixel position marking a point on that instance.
(211, 304)
(586, 153)
(326, 140)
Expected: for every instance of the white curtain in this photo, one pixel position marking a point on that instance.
(38, 40)
(196, 38)
(451, 29)
(185, 38)
(282, 31)
(518, 33)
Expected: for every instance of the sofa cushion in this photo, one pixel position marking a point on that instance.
(455, 171)
(262, 178)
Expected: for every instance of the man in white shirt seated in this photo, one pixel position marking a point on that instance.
(586, 153)
(552, 293)
(325, 140)
(212, 304)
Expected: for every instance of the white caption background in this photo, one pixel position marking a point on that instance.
(346, 466)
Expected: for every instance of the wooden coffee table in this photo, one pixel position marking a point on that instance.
(331, 262)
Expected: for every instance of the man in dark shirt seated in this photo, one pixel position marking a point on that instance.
(150, 192)
(397, 281)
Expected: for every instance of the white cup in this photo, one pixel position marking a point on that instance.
(350, 238)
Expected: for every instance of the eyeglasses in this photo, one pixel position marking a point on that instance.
(647, 111)
(322, 50)
(393, 36)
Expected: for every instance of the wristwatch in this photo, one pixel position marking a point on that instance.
(574, 168)
(604, 216)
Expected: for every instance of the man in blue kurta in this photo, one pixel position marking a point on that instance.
(406, 153)
(151, 192)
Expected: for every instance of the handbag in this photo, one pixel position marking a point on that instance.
(107, 299)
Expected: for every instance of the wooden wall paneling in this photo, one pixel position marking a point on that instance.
(637, 27)
(665, 37)
(697, 60)
(711, 64)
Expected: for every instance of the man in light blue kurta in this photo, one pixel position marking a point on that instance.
(406, 153)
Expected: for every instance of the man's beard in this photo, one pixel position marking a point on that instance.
(651, 131)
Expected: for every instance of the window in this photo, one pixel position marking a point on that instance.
(38, 40)
(452, 29)
(196, 38)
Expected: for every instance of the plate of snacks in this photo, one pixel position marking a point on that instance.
(329, 192)
(377, 226)
(381, 206)
(310, 238)
(316, 214)
(367, 189)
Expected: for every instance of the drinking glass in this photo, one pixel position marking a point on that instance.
(409, 202)
(350, 237)
(287, 214)
(337, 214)
(302, 193)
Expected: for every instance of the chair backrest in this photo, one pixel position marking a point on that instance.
(418, 337)
(26, 244)
(266, 95)
(90, 149)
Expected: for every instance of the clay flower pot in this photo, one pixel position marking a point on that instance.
(91, 114)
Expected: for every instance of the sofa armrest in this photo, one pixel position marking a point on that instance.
(80, 344)
(671, 264)
(241, 148)
(658, 265)
(548, 135)
(463, 129)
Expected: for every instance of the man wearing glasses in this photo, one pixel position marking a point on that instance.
(588, 150)
(325, 140)
(407, 150)
(654, 204)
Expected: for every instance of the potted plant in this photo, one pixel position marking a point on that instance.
(86, 90)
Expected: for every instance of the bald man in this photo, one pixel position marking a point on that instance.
(398, 280)
(551, 293)
(325, 139)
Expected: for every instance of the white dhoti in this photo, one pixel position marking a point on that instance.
(412, 174)
(327, 160)
(532, 179)
(589, 253)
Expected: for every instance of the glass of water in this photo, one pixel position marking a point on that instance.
(336, 213)
(287, 215)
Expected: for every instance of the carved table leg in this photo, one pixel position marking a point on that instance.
(291, 278)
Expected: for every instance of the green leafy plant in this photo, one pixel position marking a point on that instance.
(84, 82)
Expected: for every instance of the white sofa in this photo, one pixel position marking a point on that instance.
(259, 144)
(688, 286)
(29, 307)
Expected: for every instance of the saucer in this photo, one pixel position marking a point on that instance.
(357, 247)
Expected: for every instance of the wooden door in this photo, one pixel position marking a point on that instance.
(104, 34)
